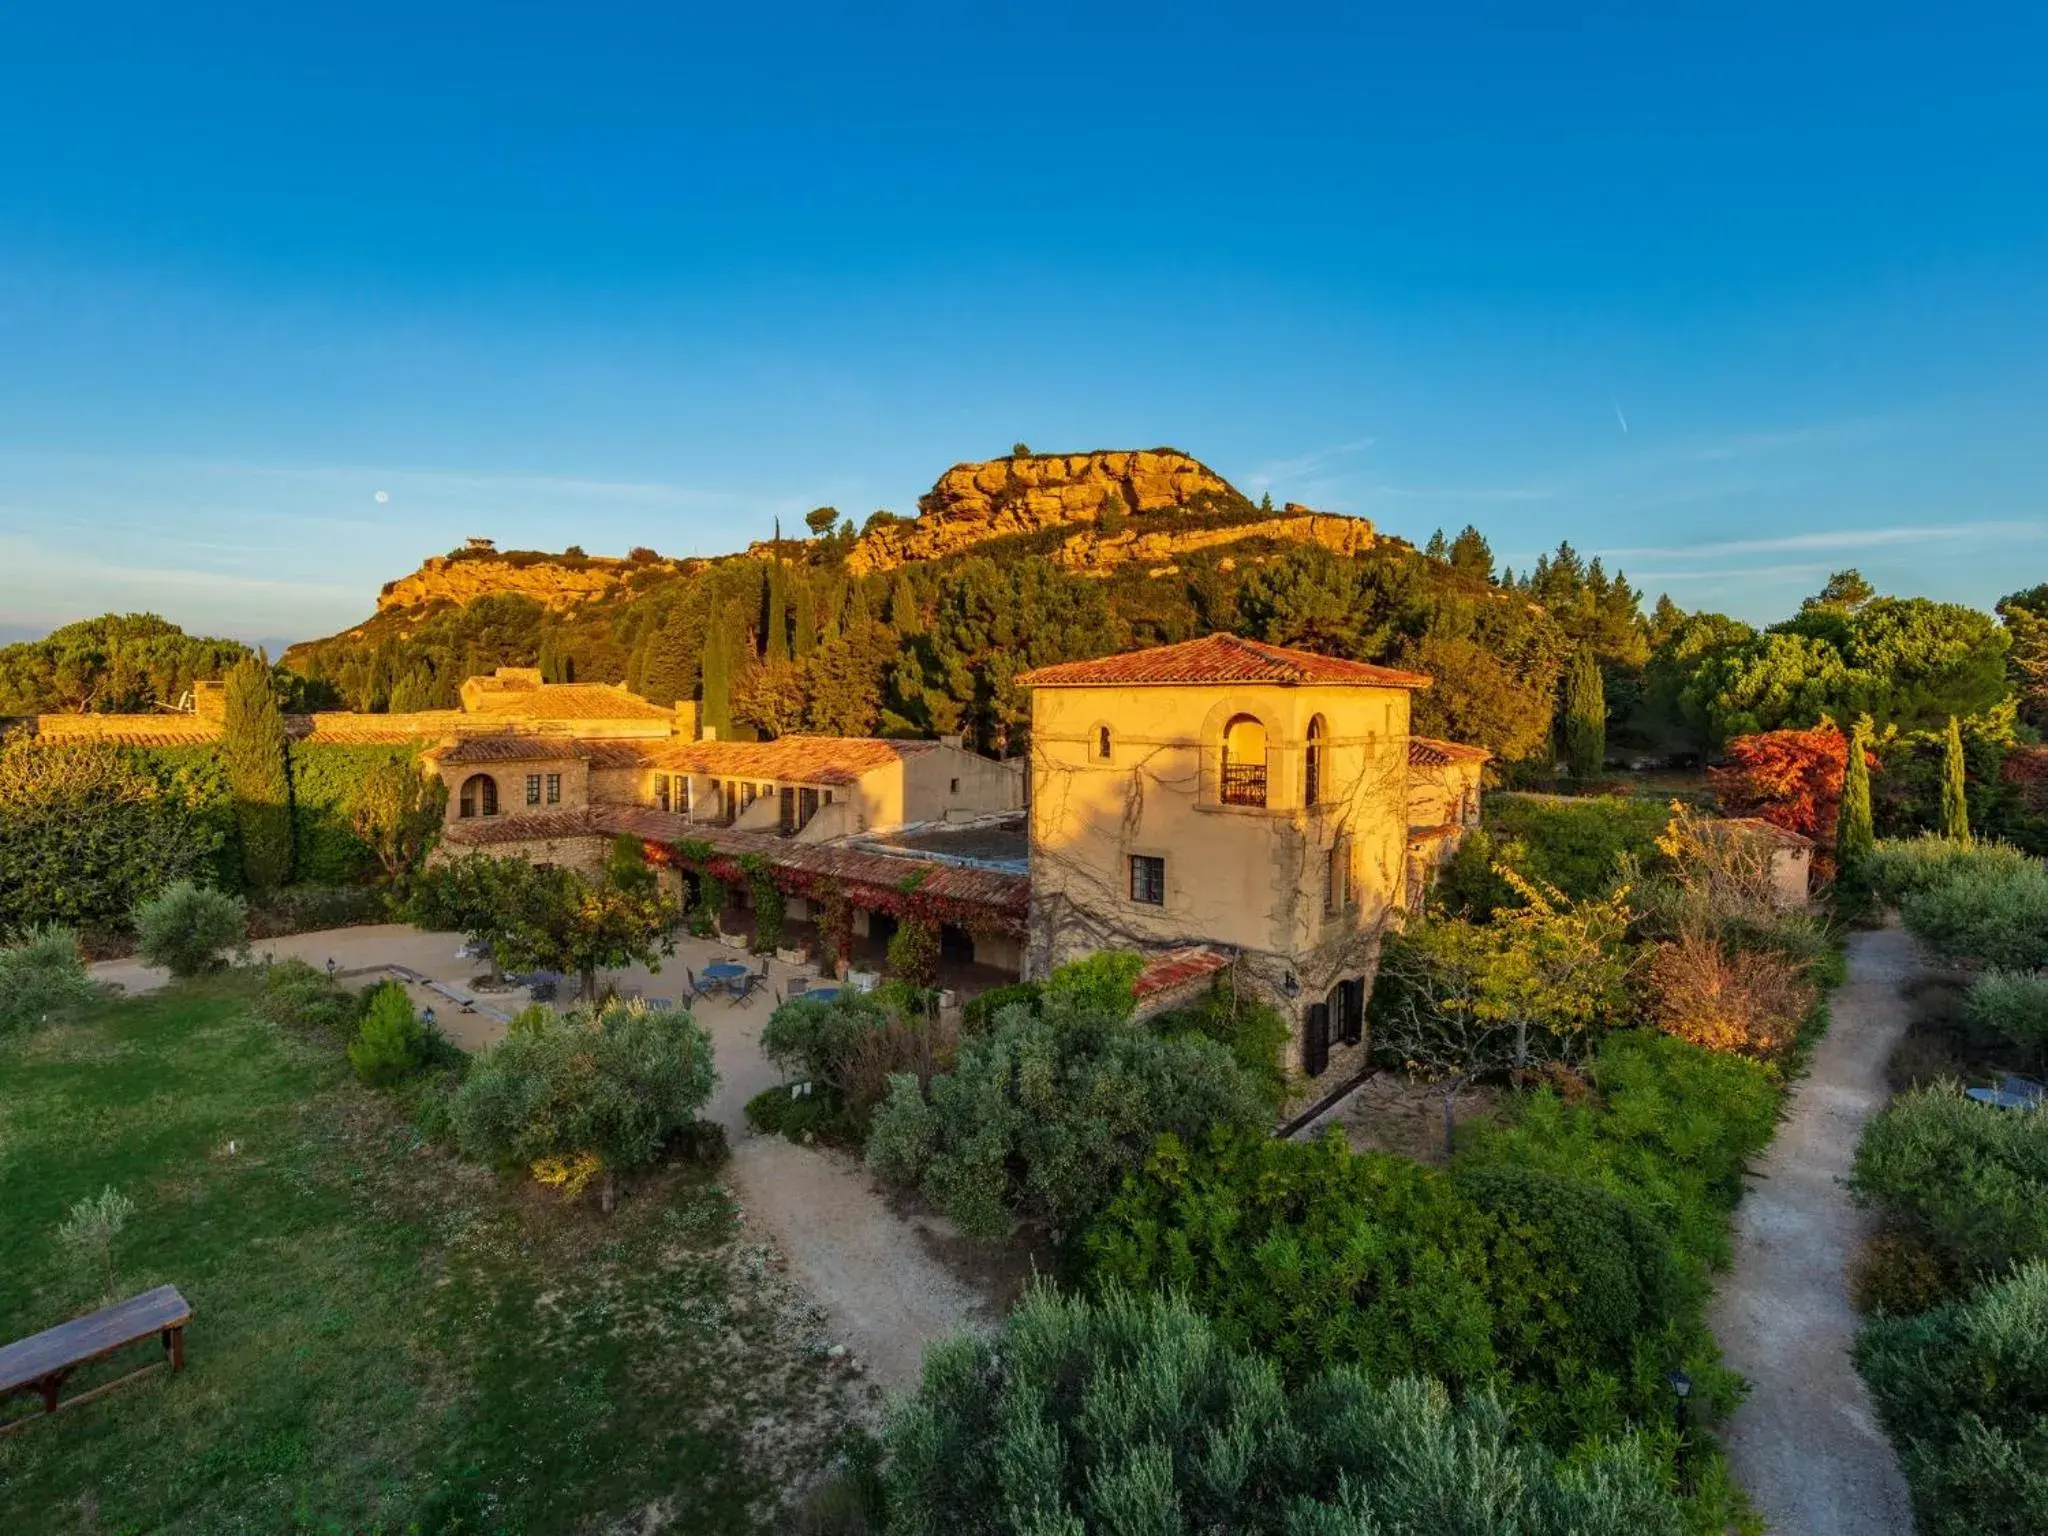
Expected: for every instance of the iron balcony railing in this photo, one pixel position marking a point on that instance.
(1244, 783)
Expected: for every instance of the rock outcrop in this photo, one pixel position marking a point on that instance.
(559, 587)
(973, 503)
(1097, 554)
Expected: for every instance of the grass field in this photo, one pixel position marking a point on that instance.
(384, 1338)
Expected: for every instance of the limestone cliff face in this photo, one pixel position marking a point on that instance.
(557, 587)
(973, 503)
(1096, 554)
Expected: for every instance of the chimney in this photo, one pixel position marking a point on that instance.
(210, 701)
(955, 741)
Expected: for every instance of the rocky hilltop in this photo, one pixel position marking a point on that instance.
(1000, 498)
(1097, 554)
(558, 583)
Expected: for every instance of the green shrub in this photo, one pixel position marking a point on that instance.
(1901, 867)
(1043, 1115)
(312, 908)
(1969, 1178)
(41, 974)
(297, 994)
(619, 1084)
(913, 953)
(1574, 844)
(189, 927)
(1671, 1129)
(1963, 1391)
(1131, 1414)
(978, 1010)
(801, 1111)
(2013, 1007)
(1558, 1296)
(87, 831)
(1982, 912)
(390, 1044)
(852, 1044)
(1253, 1032)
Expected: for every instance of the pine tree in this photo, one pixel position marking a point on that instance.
(716, 709)
(1471, 554)
(1585, 715)
(253, 752)
(1955, 801)
(1437, 548)
(1854, 836)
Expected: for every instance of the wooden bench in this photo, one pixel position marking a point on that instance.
(42, 1362)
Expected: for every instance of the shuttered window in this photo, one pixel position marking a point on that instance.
(1315, 1040)
(1351, 1028)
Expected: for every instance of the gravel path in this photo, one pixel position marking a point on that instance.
(880, 1276)
(1806, 1443)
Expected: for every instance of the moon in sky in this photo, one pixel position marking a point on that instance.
(383, 495)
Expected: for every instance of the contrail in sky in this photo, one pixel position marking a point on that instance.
(1619, 417)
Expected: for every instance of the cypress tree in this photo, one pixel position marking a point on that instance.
(1854, 836)
(669, 672)
(776, 647)
(806, 640)
(253, 752)
(1955, 801)
(716, 710)
(903, 615)
(1585, 716)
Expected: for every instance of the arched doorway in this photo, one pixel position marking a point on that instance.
(479, 796)
(1244, 761)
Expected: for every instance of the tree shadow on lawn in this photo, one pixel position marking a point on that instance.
(383, 1335)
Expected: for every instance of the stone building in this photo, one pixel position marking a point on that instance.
(1223, 802)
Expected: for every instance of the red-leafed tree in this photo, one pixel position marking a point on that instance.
(1792, 779)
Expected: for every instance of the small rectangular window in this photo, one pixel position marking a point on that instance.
(554, 789)
(956, 787)
(661, 792)
(533, 789)
(1148, 879)
(681, 797)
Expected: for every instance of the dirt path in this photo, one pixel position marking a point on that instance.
(1806, 1444)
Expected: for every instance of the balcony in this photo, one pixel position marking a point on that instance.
(1244, 784)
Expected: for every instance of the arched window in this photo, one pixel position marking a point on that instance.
(1102, 743)
(1244, 761)
(479, 796)
(1312, 779)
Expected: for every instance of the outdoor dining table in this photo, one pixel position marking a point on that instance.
(721, 974)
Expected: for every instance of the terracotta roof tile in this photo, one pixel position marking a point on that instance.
(534, 826)
(129, 730)
(1428, 752)
(509, 749)
(622, 754)
(1219, 658)
(790, 759)
(1177, 967)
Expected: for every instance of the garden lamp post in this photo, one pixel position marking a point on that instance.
(427, 1017)
(331, 966)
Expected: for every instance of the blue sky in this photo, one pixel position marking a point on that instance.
(1735, 297)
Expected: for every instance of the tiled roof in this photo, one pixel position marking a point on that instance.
(1219, 659)
(568, 701)
(509, 749)
(1428, 752)
(621, 754)
(1005, 892)
(534, 826)
(1177, 967)
(348, 728)
(789, 759)
(129, 730)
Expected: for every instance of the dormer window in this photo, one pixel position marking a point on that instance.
(1243, 779)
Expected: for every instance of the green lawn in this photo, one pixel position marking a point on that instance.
(384, 1338)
